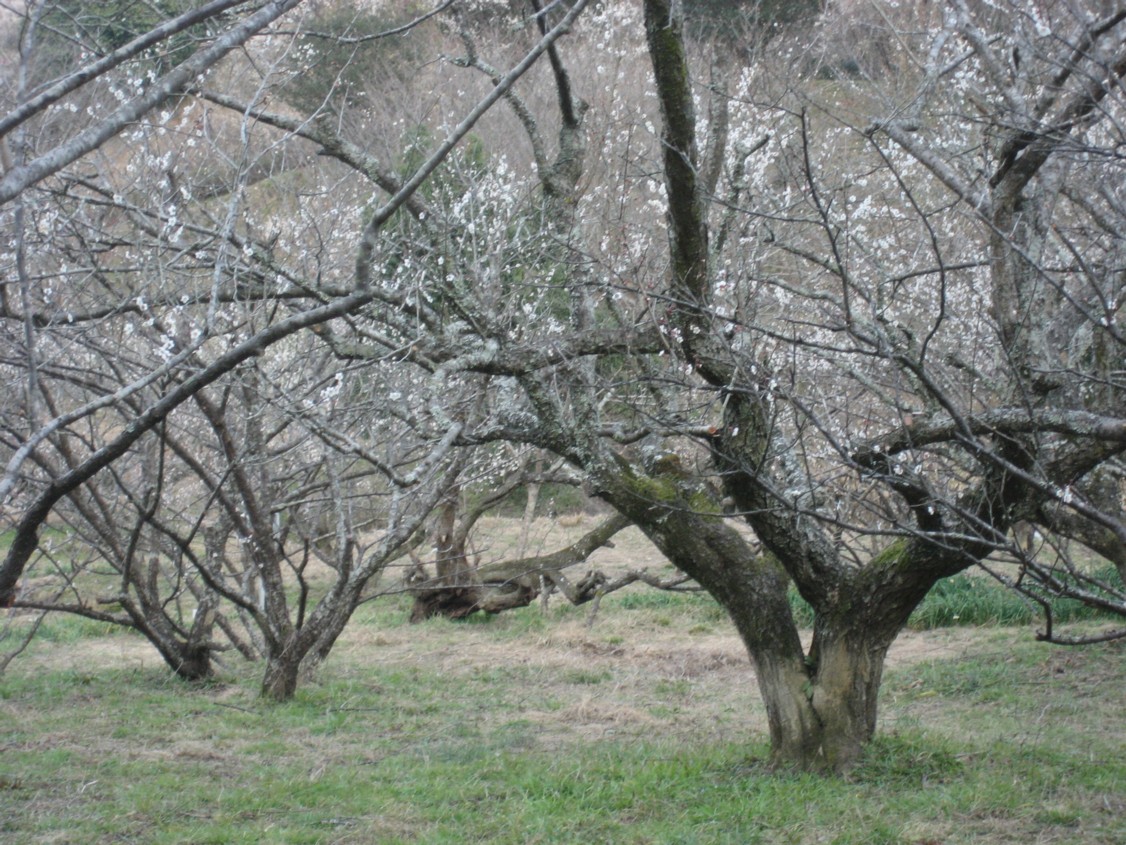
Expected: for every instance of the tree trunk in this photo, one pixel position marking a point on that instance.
(822, 716)
(529, 516)
(280, 681)
(189, 658)
(751, 587)
(845, 689)
(190, 661)
(298, 654)
(193, 663)
(795, 732)
(821, 709)
(455, 591)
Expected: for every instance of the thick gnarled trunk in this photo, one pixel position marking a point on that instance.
(751, 587)
(821, 710)
(845, 690)
(821, 707)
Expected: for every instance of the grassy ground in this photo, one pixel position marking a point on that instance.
(644, 727)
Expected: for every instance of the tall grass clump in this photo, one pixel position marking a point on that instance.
(964, 600)
(973, 600)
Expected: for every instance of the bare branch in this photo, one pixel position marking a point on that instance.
(93, 70)
(174, 82)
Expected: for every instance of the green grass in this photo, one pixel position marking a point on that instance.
(1007, 742)
(976, 600)
(959, 601)
(968, 600)
(633, 726)
(68, 628)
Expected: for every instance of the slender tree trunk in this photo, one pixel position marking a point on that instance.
(454, 591)
(529, 517)
(287, 659)
(282, 672)
(304, 649)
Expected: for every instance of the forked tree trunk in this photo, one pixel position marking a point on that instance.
(827, 721)
(820, 709)
(189, 658)
(750, 587)
(299, 653)
(822, 716)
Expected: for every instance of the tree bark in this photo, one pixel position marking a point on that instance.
(688, 528)
(795, 731)
(279, 683)
(845, 690)
(821, 710)
(193, 663)
(455, 591)
(303, 650)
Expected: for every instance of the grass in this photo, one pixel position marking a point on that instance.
(972, 599)
(961, 600)
(639, 724)
(65, 628)
(537, 728)
(976, 600)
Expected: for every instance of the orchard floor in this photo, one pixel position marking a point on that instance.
(639, 724)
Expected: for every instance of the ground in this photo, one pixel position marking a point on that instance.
(639, 724)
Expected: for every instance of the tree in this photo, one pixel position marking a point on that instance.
(170, 391)
(978, 463)
(23, 171)
(882, 344)
(823, 337)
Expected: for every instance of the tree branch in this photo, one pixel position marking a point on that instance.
(177, 80)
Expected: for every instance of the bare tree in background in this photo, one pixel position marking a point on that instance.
(172, 407)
